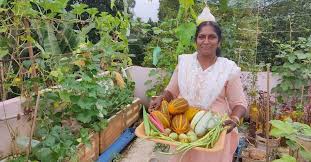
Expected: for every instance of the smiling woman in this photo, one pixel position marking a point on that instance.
(209, 82)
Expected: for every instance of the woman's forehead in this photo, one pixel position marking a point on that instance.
(207, 30)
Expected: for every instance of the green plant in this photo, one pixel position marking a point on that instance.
(58, 144)
(52, 58)
(292, 131)
(285, 158)
(170, 39)
(293, 68)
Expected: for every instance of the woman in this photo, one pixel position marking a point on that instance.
(210, 82)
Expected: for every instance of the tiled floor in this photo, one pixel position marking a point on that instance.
(139, 151)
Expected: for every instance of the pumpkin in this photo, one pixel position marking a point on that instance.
(191, 112)
(164, 119)
(178, 106)
(164, 108)
(180, 124)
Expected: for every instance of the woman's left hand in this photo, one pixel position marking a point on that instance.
(231, 124)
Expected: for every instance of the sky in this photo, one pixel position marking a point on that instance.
(146, 9)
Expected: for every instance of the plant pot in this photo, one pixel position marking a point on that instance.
(89, 154)
(252, 154)
(261, 142)
(118, 123)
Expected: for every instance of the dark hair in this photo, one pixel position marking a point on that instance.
(216, 29)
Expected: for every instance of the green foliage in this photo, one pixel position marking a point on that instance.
(292, 131)
(168, 40)
(168, 9)
(294, 68)
(284, 21)
(56, 146)
(74, 73)
(138, 39)
(285, 158)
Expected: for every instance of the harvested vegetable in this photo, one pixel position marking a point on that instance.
(167, 131)
(173, 136)
(196, 119)
(146, 122)
(183, 138)
(156, 123)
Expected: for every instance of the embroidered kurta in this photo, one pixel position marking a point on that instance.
(217, 88)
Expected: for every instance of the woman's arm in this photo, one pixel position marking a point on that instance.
(237, 101)
(170, 92)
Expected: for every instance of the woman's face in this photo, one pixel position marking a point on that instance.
(207, 41)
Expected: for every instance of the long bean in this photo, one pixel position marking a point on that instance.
(146, 122)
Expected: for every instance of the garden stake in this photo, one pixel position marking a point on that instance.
(302, 93)
(33, 125)
(33, 74)
(268, 114)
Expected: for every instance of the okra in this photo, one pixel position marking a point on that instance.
(146, 121)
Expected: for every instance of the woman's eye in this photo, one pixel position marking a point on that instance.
(212, 37)
(202, 37)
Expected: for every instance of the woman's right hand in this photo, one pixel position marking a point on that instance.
(155, 103)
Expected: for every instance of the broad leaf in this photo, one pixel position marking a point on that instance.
(155, 55)
(285, 158)
(45, 154)
(82, 35)
(280, 128)
(186, 3)
(3, 52)
(51, 45)
(78, 8)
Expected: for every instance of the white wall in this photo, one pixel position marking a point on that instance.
(12, 122)
(141, 74)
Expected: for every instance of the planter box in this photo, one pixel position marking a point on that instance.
(118, 123)
(89, 154)
(13, 123)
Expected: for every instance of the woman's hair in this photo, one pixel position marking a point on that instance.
(216, 29)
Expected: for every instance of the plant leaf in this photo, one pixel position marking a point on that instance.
(155, 55)
(285, 158)
(51, 45)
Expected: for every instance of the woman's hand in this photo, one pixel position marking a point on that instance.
(155, 104)
(231, 124)
(234, 120)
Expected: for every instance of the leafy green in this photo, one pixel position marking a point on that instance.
(285, 158)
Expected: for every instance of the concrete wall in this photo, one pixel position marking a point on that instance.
(13, 124)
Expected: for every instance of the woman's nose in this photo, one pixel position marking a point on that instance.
(206, 40)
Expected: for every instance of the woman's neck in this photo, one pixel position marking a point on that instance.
(206, 60)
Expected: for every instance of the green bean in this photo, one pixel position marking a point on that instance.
(146, 122)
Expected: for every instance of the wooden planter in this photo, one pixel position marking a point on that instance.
(118, 123)
(89, 154)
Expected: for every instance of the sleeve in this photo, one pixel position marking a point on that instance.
(234, 92)
(173, 84)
